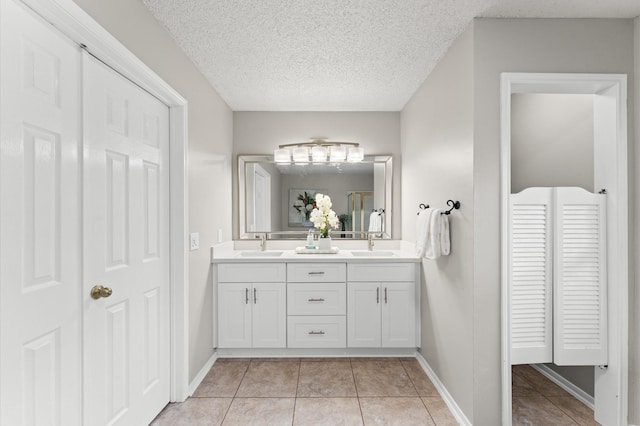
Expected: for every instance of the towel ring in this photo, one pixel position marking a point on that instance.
(453, 205)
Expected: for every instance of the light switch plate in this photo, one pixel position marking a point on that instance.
(219, 235)
(194, 241)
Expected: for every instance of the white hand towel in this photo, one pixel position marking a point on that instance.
(445, 239)
(433, 247)
(422, 231)
(375, 222)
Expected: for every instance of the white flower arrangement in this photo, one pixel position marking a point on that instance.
(322, 217)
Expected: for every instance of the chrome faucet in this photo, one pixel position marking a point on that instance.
(263, 242)
(370, 242)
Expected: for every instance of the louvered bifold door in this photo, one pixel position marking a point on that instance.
(580, 288)
(531, 276)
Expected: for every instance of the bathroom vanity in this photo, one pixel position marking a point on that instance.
(352, 302)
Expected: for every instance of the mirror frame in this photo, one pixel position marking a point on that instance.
(244, 160)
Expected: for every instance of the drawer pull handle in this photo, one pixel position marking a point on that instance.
(316, 273)
(320, 299)
(316, 332)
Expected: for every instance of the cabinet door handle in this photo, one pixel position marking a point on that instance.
(255, 298)
(316, 332)
(385, 295)
(320, 299)
(378, 295)
(246, 296)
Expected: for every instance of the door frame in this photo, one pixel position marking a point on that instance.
(610, 174)
(80, 27)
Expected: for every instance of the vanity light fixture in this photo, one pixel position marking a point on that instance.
(301, 155)
(355, 155)
(318, 154)
(282, 156)
(319, 148)
(338, 154)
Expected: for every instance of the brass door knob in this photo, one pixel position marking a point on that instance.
(99, 291)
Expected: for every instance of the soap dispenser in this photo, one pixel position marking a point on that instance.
(310, 243)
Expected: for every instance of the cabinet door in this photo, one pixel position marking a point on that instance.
(269, 302)
(363, 315)
(234, 315)
(398, 315)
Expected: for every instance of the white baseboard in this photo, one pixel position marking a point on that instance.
(442, 390)
(575, 391)
(202, 373)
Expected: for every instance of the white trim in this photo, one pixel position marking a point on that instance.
(76, 24)
(616, 375)
(202, 373)
(315, 352)
(442, 390)
(565, 384)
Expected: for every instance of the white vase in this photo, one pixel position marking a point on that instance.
(324, 243)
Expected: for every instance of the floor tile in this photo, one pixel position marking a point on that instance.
(326, 379)
(380, 378)
(270, 379)
(327, 411)
(539, 411)
(420, 380)
(575, 409)
(264, 411)
(275, 359)
(439, 411)
(540, 383)
(194, 412)
(222, 380)
(394, 411)
(521, 386)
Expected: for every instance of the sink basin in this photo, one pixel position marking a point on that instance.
(258, 253)
(372, 253)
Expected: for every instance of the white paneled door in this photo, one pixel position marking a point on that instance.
(126, 246)
(40, 262)
(84, 201)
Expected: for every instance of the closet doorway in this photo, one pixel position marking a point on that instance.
(606, 95)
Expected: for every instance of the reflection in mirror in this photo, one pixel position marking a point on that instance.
(278, 198)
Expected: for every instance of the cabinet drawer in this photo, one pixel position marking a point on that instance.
(316, 298)
(317, 332)
(316, 272)
(381, 272)
(251, 272)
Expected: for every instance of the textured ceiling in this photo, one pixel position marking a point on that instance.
(336, 55)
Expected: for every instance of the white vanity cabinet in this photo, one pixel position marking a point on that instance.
(381, 305)
(316, 305)
(252, 305)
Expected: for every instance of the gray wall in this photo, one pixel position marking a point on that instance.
(210, 139)
(451, 149)
(551, 140)
(525, 45)
(262, 132)
(437, 165)
(552, 145)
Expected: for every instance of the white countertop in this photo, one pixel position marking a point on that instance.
(284, 251)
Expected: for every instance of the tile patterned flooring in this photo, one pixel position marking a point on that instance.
(538, 401)
(312, 391)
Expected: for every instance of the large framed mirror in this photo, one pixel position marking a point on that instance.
(275, 198)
